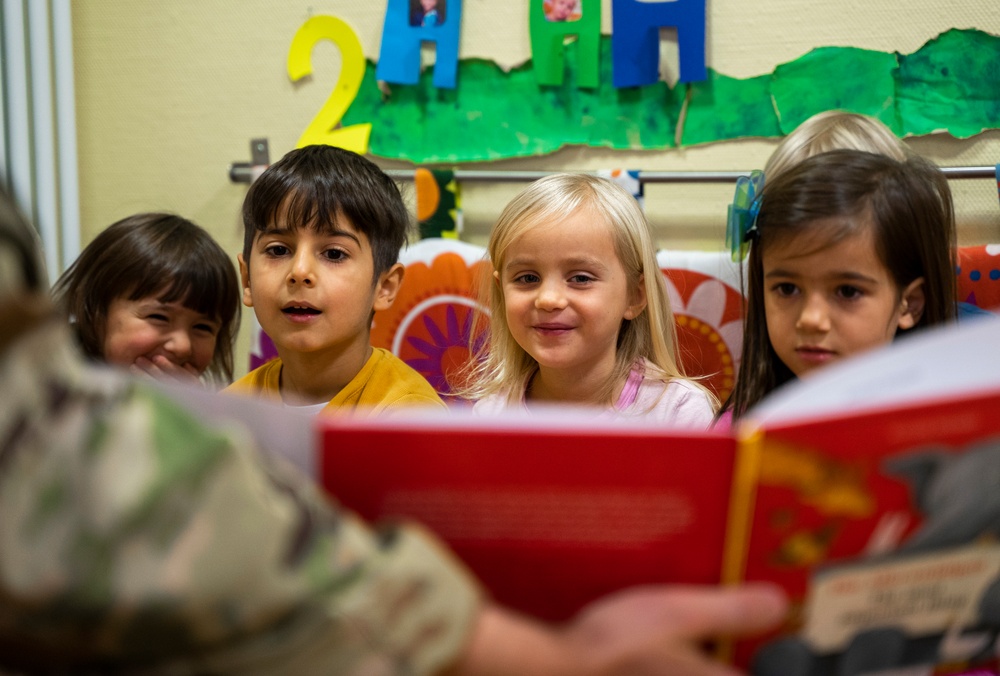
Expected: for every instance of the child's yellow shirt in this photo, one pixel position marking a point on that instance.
(384, 383)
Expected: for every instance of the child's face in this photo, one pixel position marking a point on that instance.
(313, 291)
(428, 5)
(562, 9)
(161, 338)
(566, 294)
(833, 301)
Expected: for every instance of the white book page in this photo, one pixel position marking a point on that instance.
(940, 363)
(277, 430)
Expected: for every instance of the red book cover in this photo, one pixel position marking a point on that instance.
(548, 516)
(876, 505)
(870, 491)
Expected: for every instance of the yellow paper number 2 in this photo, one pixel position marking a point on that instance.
(322, 131)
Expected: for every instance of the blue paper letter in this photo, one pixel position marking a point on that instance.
(635, 39)
(408, 23)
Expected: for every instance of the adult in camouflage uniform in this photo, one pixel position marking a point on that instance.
(136, 537)
(133, 535)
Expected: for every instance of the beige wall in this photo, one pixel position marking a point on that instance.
(169, 93)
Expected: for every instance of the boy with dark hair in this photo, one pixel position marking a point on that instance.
(323, 230)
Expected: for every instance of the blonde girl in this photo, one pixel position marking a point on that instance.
(579, 309)
(834, 130)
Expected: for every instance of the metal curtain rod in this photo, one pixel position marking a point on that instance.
(660, 176)
(240, 172)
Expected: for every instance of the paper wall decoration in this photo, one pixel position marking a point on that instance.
(723, 107)
(547, 38)
(636, 39)
(325, 127)
(439, 212)
(950, 84)
(831, 78)
(497, 114)
(629, 179)
(399, 56)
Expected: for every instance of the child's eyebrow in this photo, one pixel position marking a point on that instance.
(578, 262)
(333, 232)
(779, 272)
(517, 262)
(157, 305)
(839, 275)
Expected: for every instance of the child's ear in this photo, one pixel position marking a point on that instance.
(388, 286)
(912, 304)
(638, 300)
(245, 280)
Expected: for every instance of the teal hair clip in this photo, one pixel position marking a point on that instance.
(741, 224)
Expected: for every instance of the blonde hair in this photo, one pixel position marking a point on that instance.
(834, 130)
(503, 366)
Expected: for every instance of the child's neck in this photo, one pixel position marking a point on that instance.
(572, 386)
(317, 377)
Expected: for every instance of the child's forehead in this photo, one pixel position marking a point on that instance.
(336, 224)
(821, 234)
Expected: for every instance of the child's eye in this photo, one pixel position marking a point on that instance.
(527, 278)
(335, 254)
(849, 292)
(210, 329)
(785, 289)
(276, 250)
(157, 317)
(580, 279)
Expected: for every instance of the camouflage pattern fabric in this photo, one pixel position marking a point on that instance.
(137, 538)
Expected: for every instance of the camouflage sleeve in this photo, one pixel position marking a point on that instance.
(135, 537)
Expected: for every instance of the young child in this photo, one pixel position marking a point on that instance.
(834, 130)
(848, 249)
(322, 232)
(155, 293)
(579, 309)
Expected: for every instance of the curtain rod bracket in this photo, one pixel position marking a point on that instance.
(246, 172)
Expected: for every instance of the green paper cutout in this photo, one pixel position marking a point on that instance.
(548, 51)
(952, 83)
(493, 114)
(835, 78)
(723, 107)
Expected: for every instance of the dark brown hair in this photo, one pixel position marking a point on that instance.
(153, 255)
(907, 203)
(314, 185)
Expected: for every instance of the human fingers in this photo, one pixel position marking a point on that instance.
(144, 367)
(701, 612)
(184, 373)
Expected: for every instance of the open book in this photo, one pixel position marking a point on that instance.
(870, 491)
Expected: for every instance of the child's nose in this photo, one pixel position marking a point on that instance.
(550, 297)
(815, 315)
(302, 271)
(179, 343)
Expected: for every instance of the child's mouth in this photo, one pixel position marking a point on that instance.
(298, 310)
